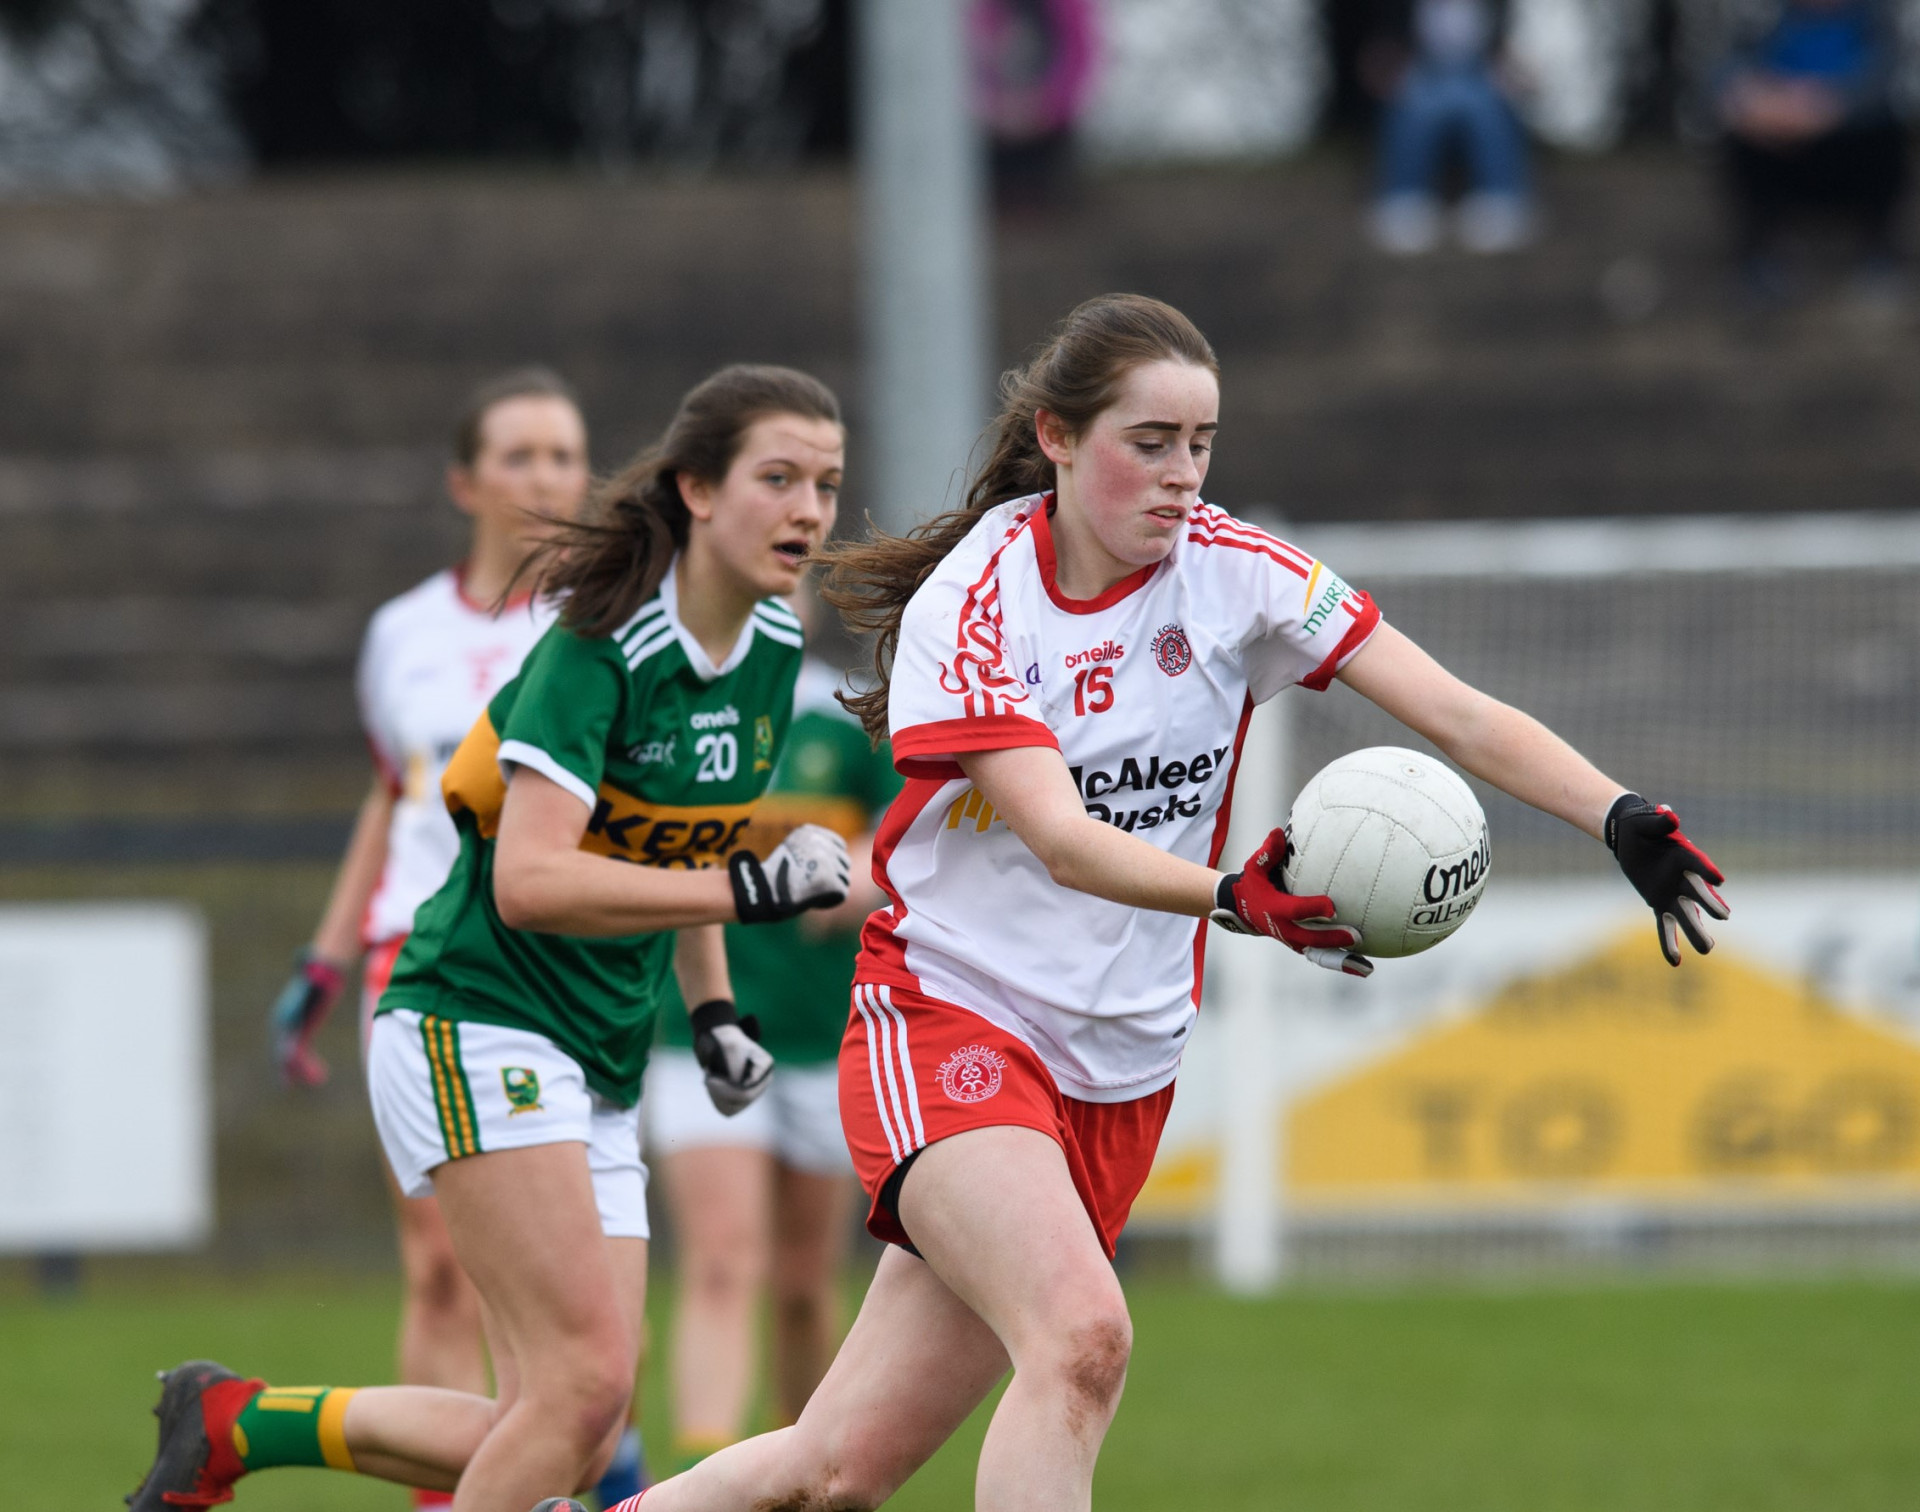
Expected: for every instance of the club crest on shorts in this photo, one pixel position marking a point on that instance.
(1171, 653)
(522, 1085)
(972, 1073)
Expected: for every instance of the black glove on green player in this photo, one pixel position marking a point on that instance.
(808, 869)
(728, 1049)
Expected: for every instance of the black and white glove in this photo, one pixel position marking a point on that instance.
(1673, 874)
(808, 869)
(728, 1049)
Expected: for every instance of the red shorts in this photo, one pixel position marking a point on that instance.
(914, 1069)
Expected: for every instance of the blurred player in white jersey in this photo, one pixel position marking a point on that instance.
(1067, 665)
(432, 659)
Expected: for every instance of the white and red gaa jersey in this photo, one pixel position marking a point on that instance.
(1146, 691)
(431, 661)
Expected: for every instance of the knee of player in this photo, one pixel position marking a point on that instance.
(440, 1286)
(848, 1487)
(1093, 1356)
(800, 1292)
(727, 1271)
(593, 1399)
(854, 1472)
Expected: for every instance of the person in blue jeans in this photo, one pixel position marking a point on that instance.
(1436, 65)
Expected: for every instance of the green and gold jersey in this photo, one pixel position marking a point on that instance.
(670, 752)
(797, 976)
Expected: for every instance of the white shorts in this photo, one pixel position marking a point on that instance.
(797, 1119)
(442, 1090)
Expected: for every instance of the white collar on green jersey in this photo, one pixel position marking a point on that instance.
(697, 658)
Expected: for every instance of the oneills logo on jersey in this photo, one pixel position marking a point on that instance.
(1109, 650)
(622, 826)
(1325, 593)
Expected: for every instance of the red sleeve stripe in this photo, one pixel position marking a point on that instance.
(1256, 547)
(1217, 523)
(1258, 540)
(927, 750)
(1366, 619)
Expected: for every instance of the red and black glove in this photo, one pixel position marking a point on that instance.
(1253, 901)
(298, 1012)
(1673, 874)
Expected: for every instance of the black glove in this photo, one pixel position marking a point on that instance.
(808, 869)
(297, 1014)
(728, 1049)
(1673, 874)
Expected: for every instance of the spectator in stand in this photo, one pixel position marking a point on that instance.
(1807, 107)
(1033, 63)
(1439, 68)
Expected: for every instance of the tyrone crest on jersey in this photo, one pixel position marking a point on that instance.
(972, 1074)
(1171, 652)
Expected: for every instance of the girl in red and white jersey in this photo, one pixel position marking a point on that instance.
(1067, 664)
(431, 659)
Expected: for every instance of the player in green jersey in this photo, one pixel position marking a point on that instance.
(764, 1198)
(601, 801)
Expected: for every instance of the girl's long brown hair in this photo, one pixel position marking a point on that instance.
(605, 565)
(1075, 374)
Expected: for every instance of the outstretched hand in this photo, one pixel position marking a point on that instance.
(1674, 875)
(1254, 901)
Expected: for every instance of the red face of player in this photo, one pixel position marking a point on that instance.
(1127, 483)
(776, 503)
(532, 466)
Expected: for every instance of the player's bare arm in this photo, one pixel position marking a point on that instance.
(1494, 741)
(1521, 756)
(338, 937)
(320, 970)
(543, 881)
(700, 964)
(1033, 791)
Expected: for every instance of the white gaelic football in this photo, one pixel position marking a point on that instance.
(1397, 840)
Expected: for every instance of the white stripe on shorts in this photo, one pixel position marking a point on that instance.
(873, 1070)
(906, 1066)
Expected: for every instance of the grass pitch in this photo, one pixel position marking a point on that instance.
(1697, 1398)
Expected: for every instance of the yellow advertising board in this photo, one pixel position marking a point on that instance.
(1722, 1083)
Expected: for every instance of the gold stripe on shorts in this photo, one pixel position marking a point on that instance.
(452, 1098)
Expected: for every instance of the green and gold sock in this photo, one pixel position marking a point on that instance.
(294, 1425)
